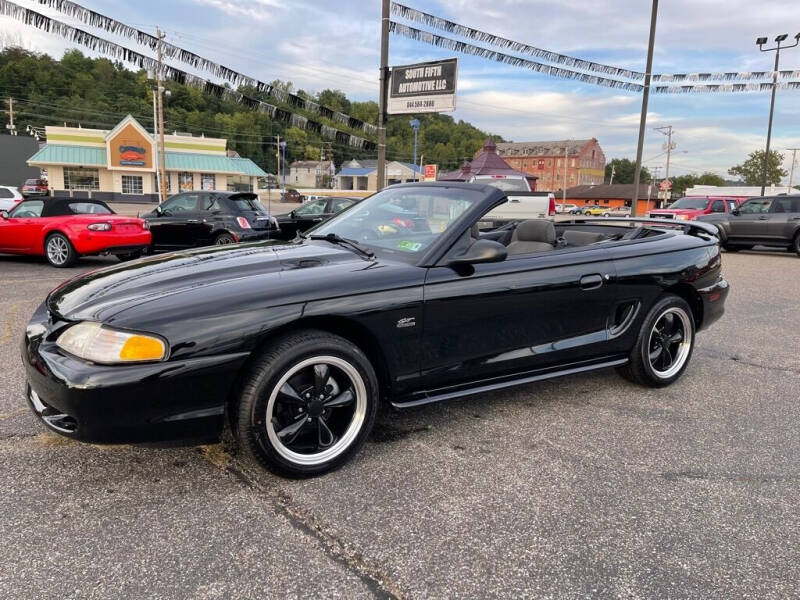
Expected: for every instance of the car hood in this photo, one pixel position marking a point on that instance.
(164, 282)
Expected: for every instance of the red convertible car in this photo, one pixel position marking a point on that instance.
(64, 229)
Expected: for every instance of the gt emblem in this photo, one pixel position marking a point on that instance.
(407, 322)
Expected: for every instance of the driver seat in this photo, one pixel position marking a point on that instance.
(534, 235)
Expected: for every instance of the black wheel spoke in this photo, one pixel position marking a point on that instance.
(321, 374)
(655, 354)
(676, 337)
(343, 399)
(289, 433)
(669, 324)
(290, 395)
(666, 358)
(324, 434)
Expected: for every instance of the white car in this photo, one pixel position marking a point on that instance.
(566, 209)
(9, 197)
(618, 211)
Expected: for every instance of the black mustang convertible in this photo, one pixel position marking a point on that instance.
(405, 299)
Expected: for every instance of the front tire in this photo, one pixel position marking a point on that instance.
(664, 344)
(59, 251)
(796, 243)
(306, 405)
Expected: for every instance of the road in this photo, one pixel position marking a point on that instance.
(584, 487)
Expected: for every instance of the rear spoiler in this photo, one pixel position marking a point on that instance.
(688, 227)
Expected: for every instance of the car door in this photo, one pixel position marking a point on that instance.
(200, 223)
(784, 218)
(310, 214)
(20, 231)
(751, 222)
(169, 224)
(525, 313)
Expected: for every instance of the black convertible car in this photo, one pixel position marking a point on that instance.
(401, 299)
(209, 218)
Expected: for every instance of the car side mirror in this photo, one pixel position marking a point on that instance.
(736, 212)
(481, 251)
(3, 214)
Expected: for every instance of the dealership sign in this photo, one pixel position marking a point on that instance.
(430, 172)
(423, 88)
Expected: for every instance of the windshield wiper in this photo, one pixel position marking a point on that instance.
(335, 238)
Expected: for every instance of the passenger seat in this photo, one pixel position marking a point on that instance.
(534, 235)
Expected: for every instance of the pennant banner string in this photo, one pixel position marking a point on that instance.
(564, 73)
(170, 51)
(117, 52)
(441, 24)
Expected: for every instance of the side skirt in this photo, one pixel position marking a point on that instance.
(510, 383)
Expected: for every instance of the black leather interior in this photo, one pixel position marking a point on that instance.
(534, 235)
(582, 238)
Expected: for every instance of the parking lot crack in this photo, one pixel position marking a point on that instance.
(375, 579)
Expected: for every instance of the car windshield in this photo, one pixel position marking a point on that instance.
(690, 203)
(401, 221)
(248, 203)
(507, 184)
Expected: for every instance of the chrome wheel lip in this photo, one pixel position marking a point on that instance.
(346, 440)
(684, 347)
(57, 250)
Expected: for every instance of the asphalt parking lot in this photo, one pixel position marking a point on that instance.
(587, 487)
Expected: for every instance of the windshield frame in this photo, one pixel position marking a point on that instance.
(428, 256)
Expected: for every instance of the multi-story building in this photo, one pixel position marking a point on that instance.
(584, 164)
(311, 174)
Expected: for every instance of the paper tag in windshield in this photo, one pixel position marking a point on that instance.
(408, 246)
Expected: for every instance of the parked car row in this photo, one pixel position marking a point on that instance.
(595, 210)
(63, 229)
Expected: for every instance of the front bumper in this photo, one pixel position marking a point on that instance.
(173, 400)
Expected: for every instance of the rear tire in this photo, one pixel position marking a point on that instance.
(59, 251)
(224, 239)
(664, 344)
(796, 243)
(306, 405)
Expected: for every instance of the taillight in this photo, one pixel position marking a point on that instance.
(552, 206)
(243, 223)
(100, 226)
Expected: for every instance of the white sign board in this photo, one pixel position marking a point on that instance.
(423, 88)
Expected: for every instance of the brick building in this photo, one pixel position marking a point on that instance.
(585, 163)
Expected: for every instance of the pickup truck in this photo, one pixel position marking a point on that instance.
(691, 207)
(522, 202)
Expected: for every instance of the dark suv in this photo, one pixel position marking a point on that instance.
(771, 221)
(192, 219)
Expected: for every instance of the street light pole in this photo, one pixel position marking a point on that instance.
(760, 42)
(384, 78)
(645, 98)
(415, 126)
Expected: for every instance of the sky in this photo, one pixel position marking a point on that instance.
(320, 44)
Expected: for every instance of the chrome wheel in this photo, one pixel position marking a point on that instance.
(670, 342)
(316, 410)
(57, 250)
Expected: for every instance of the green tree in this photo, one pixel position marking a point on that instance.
(752, 169)
(624, 171)
(709, 178)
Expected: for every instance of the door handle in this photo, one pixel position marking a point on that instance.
(591, 282)
(763, 218)
(192, 220)
(794, 218)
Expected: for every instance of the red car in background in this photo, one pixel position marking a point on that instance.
(35, 187)
(64, 229)
(691, 207)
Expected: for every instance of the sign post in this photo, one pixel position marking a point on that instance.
(423, 88)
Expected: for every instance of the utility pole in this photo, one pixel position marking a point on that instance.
(669, 146)
(155, 138)
(564, 187)
(613, 170)
(791, 171)
(645, 97)
(162, 158)
(12, 129)
(384, 79)
(278, 148)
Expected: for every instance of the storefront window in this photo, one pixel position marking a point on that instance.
(167, 180)
(208, 181)
(185, 182)
(239, 183)
(132, 184)
(81, 179)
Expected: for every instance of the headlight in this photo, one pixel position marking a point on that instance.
(100, 226)
(98, 343)
(682, 217)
